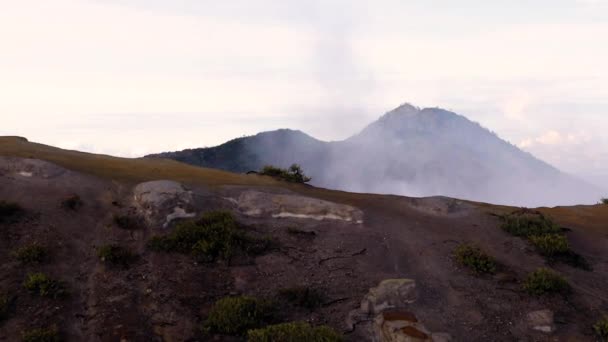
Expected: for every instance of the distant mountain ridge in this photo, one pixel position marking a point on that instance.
(408, 151)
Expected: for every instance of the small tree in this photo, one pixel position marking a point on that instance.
(293, 174)
(604, 200)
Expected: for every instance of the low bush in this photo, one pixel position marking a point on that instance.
(474, 259)
(72, 202)
(545, 281)
(215, 235)
(43, 286)
(10, 212)
(604, 200)
(41, 335)
(294, 332)
(293, 174)
(116, 255)
(237, 315)
(601, 329)
(526, 223)
(303, 296)
(550, 245)
(6, 306)
(31, 254)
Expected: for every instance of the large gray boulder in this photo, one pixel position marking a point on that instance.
(163, 201)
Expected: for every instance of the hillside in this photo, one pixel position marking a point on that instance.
(367, 267)
(409, 151)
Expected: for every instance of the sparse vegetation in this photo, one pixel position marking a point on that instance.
(294, 332)
(474, 259)
(214, 236)
(303, 296)
(72, 202)
(237, 315)
(526, 223)
(545, 281)
(293, 174)
(41, 335)
(116, 255)
(43, 286)
(6, 306)
(550, 245)
(10, 212)
(31, 254)
(601, 329)
(127, 222)
(545, 235)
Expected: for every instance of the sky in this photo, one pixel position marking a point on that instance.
(131, 77)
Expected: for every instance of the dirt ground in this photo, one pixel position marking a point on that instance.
(165, 297)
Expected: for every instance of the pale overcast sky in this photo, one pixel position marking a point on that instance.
(130, 77)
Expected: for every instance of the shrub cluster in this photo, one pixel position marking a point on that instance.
(545, 235)
(215, 235)
(601, 329)
(294, 332)
(293, 174)
(41, 335)
(10, 212)
(302, 296)
(116, 255)
(604, 200)
(31, 254)
(237, 315)
(545, 281)
(526, 223)
(42, 285)
(550, 245)
(475, 259)
(72, 202)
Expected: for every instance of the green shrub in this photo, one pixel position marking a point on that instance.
(526, 223)
(294, 332)
(236, 315)
(545, 281)
(550, 245)
(474, 259)
(127, 222)
(31, 254)
(293, 174)
(116, 255)
(604, 200)
(6, 306)
(42, 285)
(41, 335)
(72, 202)
(601, 329)
(10, 212)
(214, 236)
(303, 296)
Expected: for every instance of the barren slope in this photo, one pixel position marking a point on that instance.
(340, 243)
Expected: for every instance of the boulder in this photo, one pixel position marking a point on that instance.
(163, 201)
(541, 320)
(262, 204)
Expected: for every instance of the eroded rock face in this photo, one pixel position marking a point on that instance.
(27, 168)
(386, 306)
(163, 201)
(261, 204)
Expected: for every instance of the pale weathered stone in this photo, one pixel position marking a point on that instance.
(162, 201)
(541, 320)
(256, 203)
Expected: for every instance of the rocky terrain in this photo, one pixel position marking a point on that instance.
(408, 151)
(381, 267)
